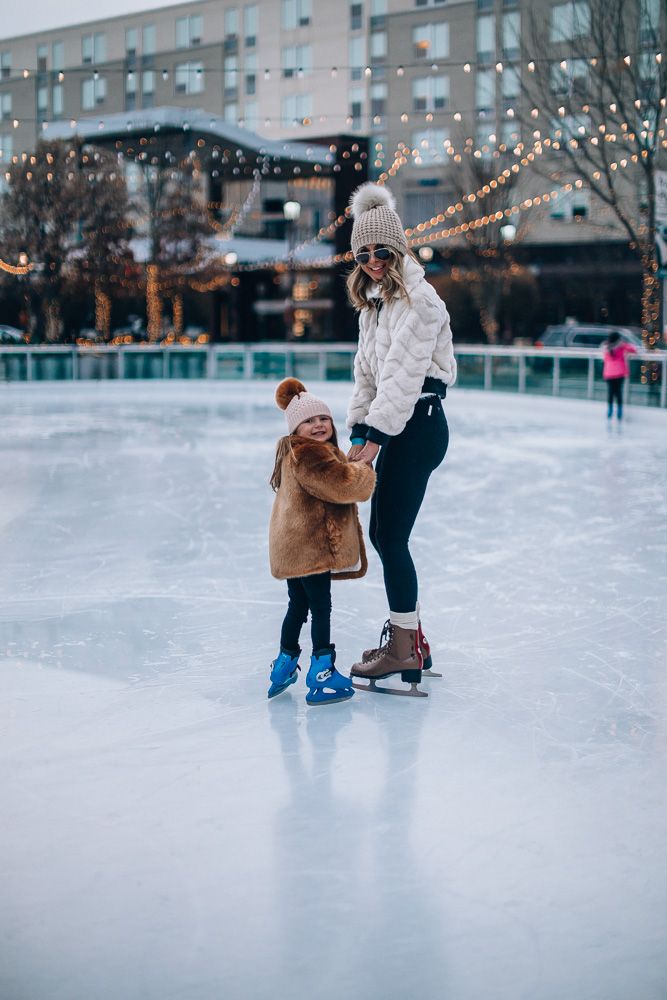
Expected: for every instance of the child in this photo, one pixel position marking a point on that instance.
(615, 371)
(314, 535)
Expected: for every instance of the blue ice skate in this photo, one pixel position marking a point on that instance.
(325, 684)
(284, 671)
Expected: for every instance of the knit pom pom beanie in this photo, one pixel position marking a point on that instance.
(298, 404)
(376, 219)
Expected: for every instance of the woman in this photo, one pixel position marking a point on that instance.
(402, 368)
(615, 370)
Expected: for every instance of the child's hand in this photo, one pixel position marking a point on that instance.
(367, 454)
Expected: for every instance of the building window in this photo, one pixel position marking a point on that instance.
(148, 82)
(93, 93)
(511, 86)
(130, 92)
(231, 76)
(573, 77)
(430, 93)
(296, 14)
(250, 25)
(570, 20)
(189, 78)
(148, 40)
(357, 58)
(231, 113)
(296, 107)
(378, 44)
(94, 48)
(486, 38)
(571, 206)
(58, 56)
(131, 41)
(296, 59)
(42, 58)
(356, 16)
(511, 27)
(378, 8)
(649, 22)
(231, 22)
(509, 134)
(189, 31)
(5, 106)
(378, 94)
(5, 65)
(6, 148)
(431, 41)
(42, 100)
(57, 100)
(485, 91)
(251, 114)
(429, 146)
(429, 3)
(250, 75)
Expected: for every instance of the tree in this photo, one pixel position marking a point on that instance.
(61, 209)
(595, 93)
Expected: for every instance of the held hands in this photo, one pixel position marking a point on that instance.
(364, 453)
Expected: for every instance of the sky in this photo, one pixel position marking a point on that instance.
(23, 19)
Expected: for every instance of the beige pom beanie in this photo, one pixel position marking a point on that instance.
(298, 404)
(375, 219)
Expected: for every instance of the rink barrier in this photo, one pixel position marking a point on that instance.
(574, 374)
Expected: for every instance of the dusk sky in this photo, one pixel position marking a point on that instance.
(23, 19)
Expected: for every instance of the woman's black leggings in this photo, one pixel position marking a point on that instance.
(403, 469)
(308, 593)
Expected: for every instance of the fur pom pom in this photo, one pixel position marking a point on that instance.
(370, 195)
(287, 390)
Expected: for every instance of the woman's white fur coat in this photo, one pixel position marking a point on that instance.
(399, 346)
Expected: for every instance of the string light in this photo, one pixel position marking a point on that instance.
(16, 269)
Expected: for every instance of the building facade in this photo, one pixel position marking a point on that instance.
(423, 80)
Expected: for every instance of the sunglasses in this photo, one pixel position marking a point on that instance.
(380, 253)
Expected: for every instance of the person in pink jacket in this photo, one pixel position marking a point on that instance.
(615, 371)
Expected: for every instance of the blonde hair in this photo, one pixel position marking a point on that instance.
(284, 448)
(392, 282)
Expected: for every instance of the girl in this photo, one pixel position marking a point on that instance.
(615, 370)
(403, 366)
(314, 535)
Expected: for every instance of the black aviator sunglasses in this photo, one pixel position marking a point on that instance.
(380, 253)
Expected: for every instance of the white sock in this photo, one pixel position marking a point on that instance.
(404, 619)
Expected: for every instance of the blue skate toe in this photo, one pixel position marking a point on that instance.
(325, 684)
(284, 671)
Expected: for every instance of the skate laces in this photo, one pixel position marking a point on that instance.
(387, 633)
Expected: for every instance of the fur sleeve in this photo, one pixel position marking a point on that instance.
(325, 473)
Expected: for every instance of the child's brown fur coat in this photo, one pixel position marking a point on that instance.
(314, 522)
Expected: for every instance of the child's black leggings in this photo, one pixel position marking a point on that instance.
(308, 593)
(403, 469)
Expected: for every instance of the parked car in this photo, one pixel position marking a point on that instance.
(11, 335)
(585, 335)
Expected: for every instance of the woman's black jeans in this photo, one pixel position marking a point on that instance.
(615, 393)
(403, 469)
(308, 593)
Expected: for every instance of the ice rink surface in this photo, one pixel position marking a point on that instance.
(168, 834)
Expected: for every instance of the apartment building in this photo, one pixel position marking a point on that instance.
(428, 76)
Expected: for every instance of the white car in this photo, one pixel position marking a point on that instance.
(10, 335)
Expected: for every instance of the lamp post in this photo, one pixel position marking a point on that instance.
(292, 213)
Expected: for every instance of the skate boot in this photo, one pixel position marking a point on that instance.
(325, 684)
(284, 671)
(425, 649)
(401, 655)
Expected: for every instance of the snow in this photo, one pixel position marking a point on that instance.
(169, 834)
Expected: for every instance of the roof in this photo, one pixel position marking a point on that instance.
(127, 123)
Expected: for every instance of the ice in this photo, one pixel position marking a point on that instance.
(169, 834)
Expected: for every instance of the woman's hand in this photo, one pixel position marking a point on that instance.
(354, 451)
(367, 454)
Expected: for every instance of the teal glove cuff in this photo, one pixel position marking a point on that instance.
(361, 441)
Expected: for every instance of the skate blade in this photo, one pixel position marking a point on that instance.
(411, 692)
(329, 700)
(430, 673)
